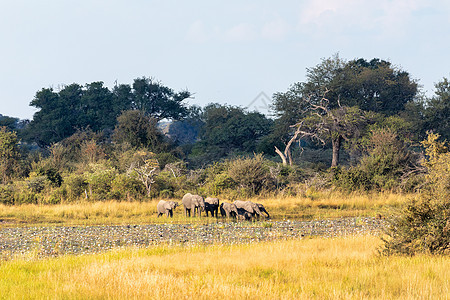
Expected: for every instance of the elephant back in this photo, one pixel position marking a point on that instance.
(245, 205)
(187, 200)
(212, 201)
(160, 206)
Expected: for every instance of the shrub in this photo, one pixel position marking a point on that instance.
(423, 225)
(251, 174)
(37, 184)
(100, 183)
(126, 187)
(219, 184)
(387, 165)
(52, 175)
(6, 194)
(77, 186)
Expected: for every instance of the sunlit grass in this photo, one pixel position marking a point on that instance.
(319, 205)
(339, 268)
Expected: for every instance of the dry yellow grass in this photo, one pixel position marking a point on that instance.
(341, 268)
(315, 206)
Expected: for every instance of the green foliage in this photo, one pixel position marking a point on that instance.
(96, 107)
(100, 181)
(77, 186)
(250, 174)
(37, 184)
(126, 187)
(423, 225)
(10, 157)
(51, 174)
(229, 130)
(139, 130)
(386, 164)
(6, 194)
(437, 112)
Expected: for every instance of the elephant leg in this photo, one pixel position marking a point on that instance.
(171, 213)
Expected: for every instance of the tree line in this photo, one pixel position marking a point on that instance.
(357, 124)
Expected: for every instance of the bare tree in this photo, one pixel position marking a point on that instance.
(144, 168)
(323, 124)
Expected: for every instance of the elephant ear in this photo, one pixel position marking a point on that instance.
(249, 208)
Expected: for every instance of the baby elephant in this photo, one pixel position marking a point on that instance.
(212, 206)
(166, 207)
(243, 215)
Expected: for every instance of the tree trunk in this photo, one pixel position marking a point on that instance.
(336, 144)
(283, 157)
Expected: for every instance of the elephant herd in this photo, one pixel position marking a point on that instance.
(195, 204)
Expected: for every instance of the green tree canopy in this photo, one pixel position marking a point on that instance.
(437, 111)
(139, 130)
(61, 113)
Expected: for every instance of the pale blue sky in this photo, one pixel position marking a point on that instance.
(223, 51)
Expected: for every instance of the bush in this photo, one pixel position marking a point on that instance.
(387, 165)
(52, 175)
(251, 174)
(77, 186)
(37, 184)
(100, 183)
(423, 225)
(6, 194)
(126, 187)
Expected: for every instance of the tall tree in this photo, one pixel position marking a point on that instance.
(233, 129)
(96, 107)
(374, 85)
(157, 100)
(360, 85)
(437, 111)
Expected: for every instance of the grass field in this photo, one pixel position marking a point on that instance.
(314, 206)
(339, 268)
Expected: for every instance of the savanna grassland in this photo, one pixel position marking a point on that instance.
(339, 268)
(346, 267)
(315, 205)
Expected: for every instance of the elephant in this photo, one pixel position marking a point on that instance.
(228, 210)
(251, 207)
(194, 203)
(243, 215)
(212, 206)
(166, 207)
(262, 209)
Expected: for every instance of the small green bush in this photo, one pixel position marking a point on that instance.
(6, 194)
(423, 225)
(37, 184)
(77, 186)
(251, 174)
(126, 187)
(100, 183)
(52, 175)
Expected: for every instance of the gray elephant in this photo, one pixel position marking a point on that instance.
(228, 210)
(263, 210)
(194, 203)
(212, 206)
(243, 215)
(166, 207)
(249, 206)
